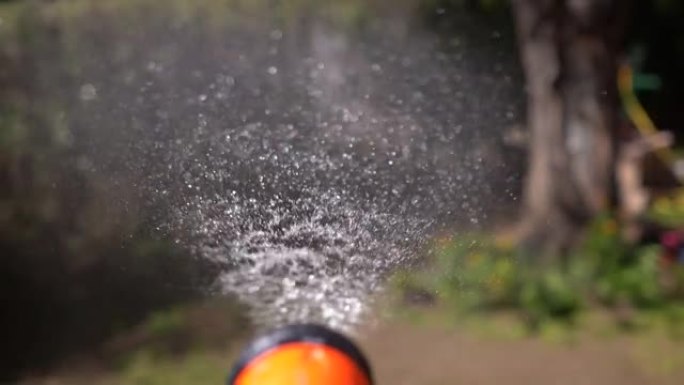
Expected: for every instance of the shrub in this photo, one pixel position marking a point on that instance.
(474, 273)
(548, 296)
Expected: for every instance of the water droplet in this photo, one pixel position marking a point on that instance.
(87, 92)
(276, 34)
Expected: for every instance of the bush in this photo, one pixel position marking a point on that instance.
(551, 295)
(668, 210)
(474, 273)
(619, 273)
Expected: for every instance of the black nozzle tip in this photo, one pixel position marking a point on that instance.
(313, 333)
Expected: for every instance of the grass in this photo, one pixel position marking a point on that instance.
(200, 366)
(196, 367)
(189, 344)
(9, 14)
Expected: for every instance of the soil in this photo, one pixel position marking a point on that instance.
(404, 354)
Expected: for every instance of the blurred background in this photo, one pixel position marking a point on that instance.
(478, 191)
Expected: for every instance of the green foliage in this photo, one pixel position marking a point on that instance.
(163, 323)
(474, 274)
(548, 296)
(618, 273)
(635, 282)
(195, 368)
(178, 331)
(668, 210)
(477, 274)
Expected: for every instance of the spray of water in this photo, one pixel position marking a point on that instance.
(305, 160)
(307, 259)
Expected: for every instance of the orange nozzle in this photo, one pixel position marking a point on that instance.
(301, 355)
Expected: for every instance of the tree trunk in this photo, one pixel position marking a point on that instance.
(569, 61)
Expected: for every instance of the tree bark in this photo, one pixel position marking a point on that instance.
(567, 49)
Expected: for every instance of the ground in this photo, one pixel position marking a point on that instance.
(419, 350)
(405, 353)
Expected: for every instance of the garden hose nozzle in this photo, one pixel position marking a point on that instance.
(301, 355)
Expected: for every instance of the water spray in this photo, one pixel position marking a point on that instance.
(304, 161)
